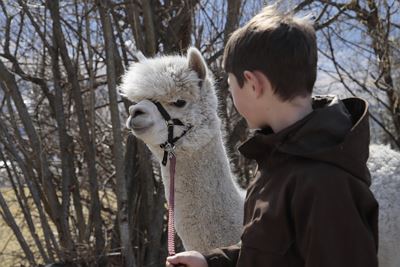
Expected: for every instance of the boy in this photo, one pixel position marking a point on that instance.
(310, 203)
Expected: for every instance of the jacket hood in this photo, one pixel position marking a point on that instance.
(336, 132)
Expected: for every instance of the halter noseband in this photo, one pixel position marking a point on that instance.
(169, 145)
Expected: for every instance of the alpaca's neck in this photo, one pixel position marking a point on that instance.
(205, 168)
(208, 203)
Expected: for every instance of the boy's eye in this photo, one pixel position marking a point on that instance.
(179, 103)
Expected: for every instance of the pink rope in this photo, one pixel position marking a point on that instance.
(171, 223)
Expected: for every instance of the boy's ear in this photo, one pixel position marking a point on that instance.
(248, 76)
(254, 81)
(196, 62)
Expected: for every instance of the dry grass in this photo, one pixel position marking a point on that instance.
(11, 253)
(10, 250)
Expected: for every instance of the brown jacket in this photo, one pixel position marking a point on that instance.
(310, 203)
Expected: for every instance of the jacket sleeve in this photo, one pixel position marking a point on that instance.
(335, 221)
(224, 256)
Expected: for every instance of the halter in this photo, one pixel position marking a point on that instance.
(169, 153)
(169, 145)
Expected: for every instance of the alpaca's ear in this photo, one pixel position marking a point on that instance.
(196, 62)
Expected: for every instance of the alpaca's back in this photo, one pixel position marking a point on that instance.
(384, 165)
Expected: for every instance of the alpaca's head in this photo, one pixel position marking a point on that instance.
(184, 87)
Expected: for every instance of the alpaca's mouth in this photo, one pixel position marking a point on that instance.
(137, 128)
(140, 129)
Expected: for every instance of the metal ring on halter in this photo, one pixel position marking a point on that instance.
(170, 149)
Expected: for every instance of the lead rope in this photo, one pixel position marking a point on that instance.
(171, 206)
(169, 153)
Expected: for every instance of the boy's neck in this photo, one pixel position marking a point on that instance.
(288, 113)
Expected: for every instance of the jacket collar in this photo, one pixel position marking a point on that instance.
(337, 132)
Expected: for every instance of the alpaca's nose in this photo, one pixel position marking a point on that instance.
(140, 118)
(135, 111)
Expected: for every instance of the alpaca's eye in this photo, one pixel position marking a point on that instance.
(179, 103)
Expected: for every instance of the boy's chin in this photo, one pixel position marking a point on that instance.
(256, 126)
(251, 125)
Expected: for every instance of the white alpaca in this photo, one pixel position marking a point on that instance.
(384, 165)
(208, 202)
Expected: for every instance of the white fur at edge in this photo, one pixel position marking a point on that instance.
(209, 204)
(384, 165)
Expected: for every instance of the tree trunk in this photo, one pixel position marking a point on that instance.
(122, 194)
(88, 143)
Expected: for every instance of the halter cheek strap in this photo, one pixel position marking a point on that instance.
(169, 145)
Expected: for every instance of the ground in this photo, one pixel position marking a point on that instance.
(10, 251)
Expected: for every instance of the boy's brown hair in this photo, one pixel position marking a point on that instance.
(282, 47)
